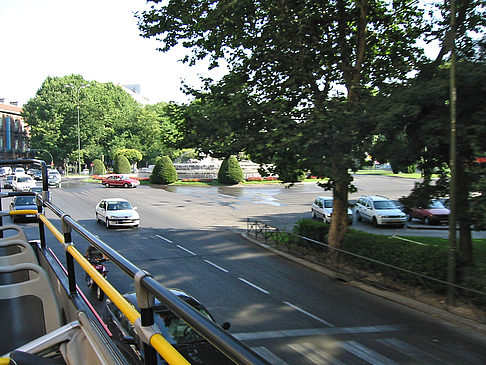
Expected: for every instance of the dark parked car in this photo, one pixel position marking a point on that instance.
(7, 182)
(187, 341)
(22, 202)
(434, 213)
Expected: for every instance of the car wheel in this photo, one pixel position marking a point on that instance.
(125, 185)
(107, 221)
(375, 222)
(358, 216)
(97, 218)
(324, 219)
(427, 221)
(409, 217)
(313, 214)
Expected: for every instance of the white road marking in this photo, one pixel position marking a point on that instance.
(315, 354)
(163, 238)
(254, 286)
(365, 353)
(420, 356)
(264, 335)
(268, 355)
(216, 266)
(309, 314)
(185, 249)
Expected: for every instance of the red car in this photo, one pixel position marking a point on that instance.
(120, 180)
(435, 213)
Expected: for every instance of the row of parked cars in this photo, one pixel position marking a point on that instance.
(381, 211)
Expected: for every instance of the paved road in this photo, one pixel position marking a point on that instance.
(288, 313)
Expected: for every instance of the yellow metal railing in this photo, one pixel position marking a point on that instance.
(161, 345)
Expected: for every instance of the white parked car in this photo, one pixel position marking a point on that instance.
(117, 212)
(19, 171)
(379, 211)
(322, 208)
(22, 183)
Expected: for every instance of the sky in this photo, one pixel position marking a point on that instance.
(97, 39)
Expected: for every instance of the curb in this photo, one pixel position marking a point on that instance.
(397, 298)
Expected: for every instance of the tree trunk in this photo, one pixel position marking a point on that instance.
(339, 222)
(465, 242)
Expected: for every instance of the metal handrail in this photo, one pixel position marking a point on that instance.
(219, 338)
(344, 267)
(163, 347)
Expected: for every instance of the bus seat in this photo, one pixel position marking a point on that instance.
(29, 308)
(19, 233)
(16, 252)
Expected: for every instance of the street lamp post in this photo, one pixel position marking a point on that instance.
(77, 89)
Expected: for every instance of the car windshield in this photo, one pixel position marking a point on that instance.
(435, 204)
(25, 200)
(179, 330)
(23, 179)
(327, 203)
(385, 204)
(119, 205)
(10, 177)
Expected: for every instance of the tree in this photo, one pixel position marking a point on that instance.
(106, 111)
(285, 59)
(99, 167)
(230, 171)
(419, 114)
(164, 172)
(122, 166)
(131, 154)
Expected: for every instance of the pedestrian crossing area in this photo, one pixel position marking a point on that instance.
(380, 351)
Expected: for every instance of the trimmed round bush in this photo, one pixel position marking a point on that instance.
(122, 166)
(164, 172)
(98, 167)
(230, 171)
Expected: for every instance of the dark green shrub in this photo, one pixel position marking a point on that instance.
(98, 167)
(164, 172)
(316, 230)
(230, 171)
(121, 166)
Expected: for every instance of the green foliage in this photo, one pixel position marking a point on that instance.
(131, 154)
(311, 229)
(164, 171)
(99, 167)
(230, 171)
(121, 166)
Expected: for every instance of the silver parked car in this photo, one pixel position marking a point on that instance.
(322, 208)
(379, 211)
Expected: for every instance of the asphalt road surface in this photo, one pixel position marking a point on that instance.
(188, 238)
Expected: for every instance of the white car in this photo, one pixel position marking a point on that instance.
(322, 208)
(117, 212)
(22, 183)
(379, 211)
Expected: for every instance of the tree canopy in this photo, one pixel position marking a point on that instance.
(299, 72)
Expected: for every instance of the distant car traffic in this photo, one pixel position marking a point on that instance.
(54, 178)
(117, 212)
(19, 171)
(379, 211)
(22, 183)
(7, 182)
(24, 202)
(188, 342)
(120, 181)
(4, 171)
(322, 208)
(434, 213)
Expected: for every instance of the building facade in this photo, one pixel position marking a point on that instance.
(14, 132)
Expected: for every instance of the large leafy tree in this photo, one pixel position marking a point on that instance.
(286, 60)
(105, 112)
